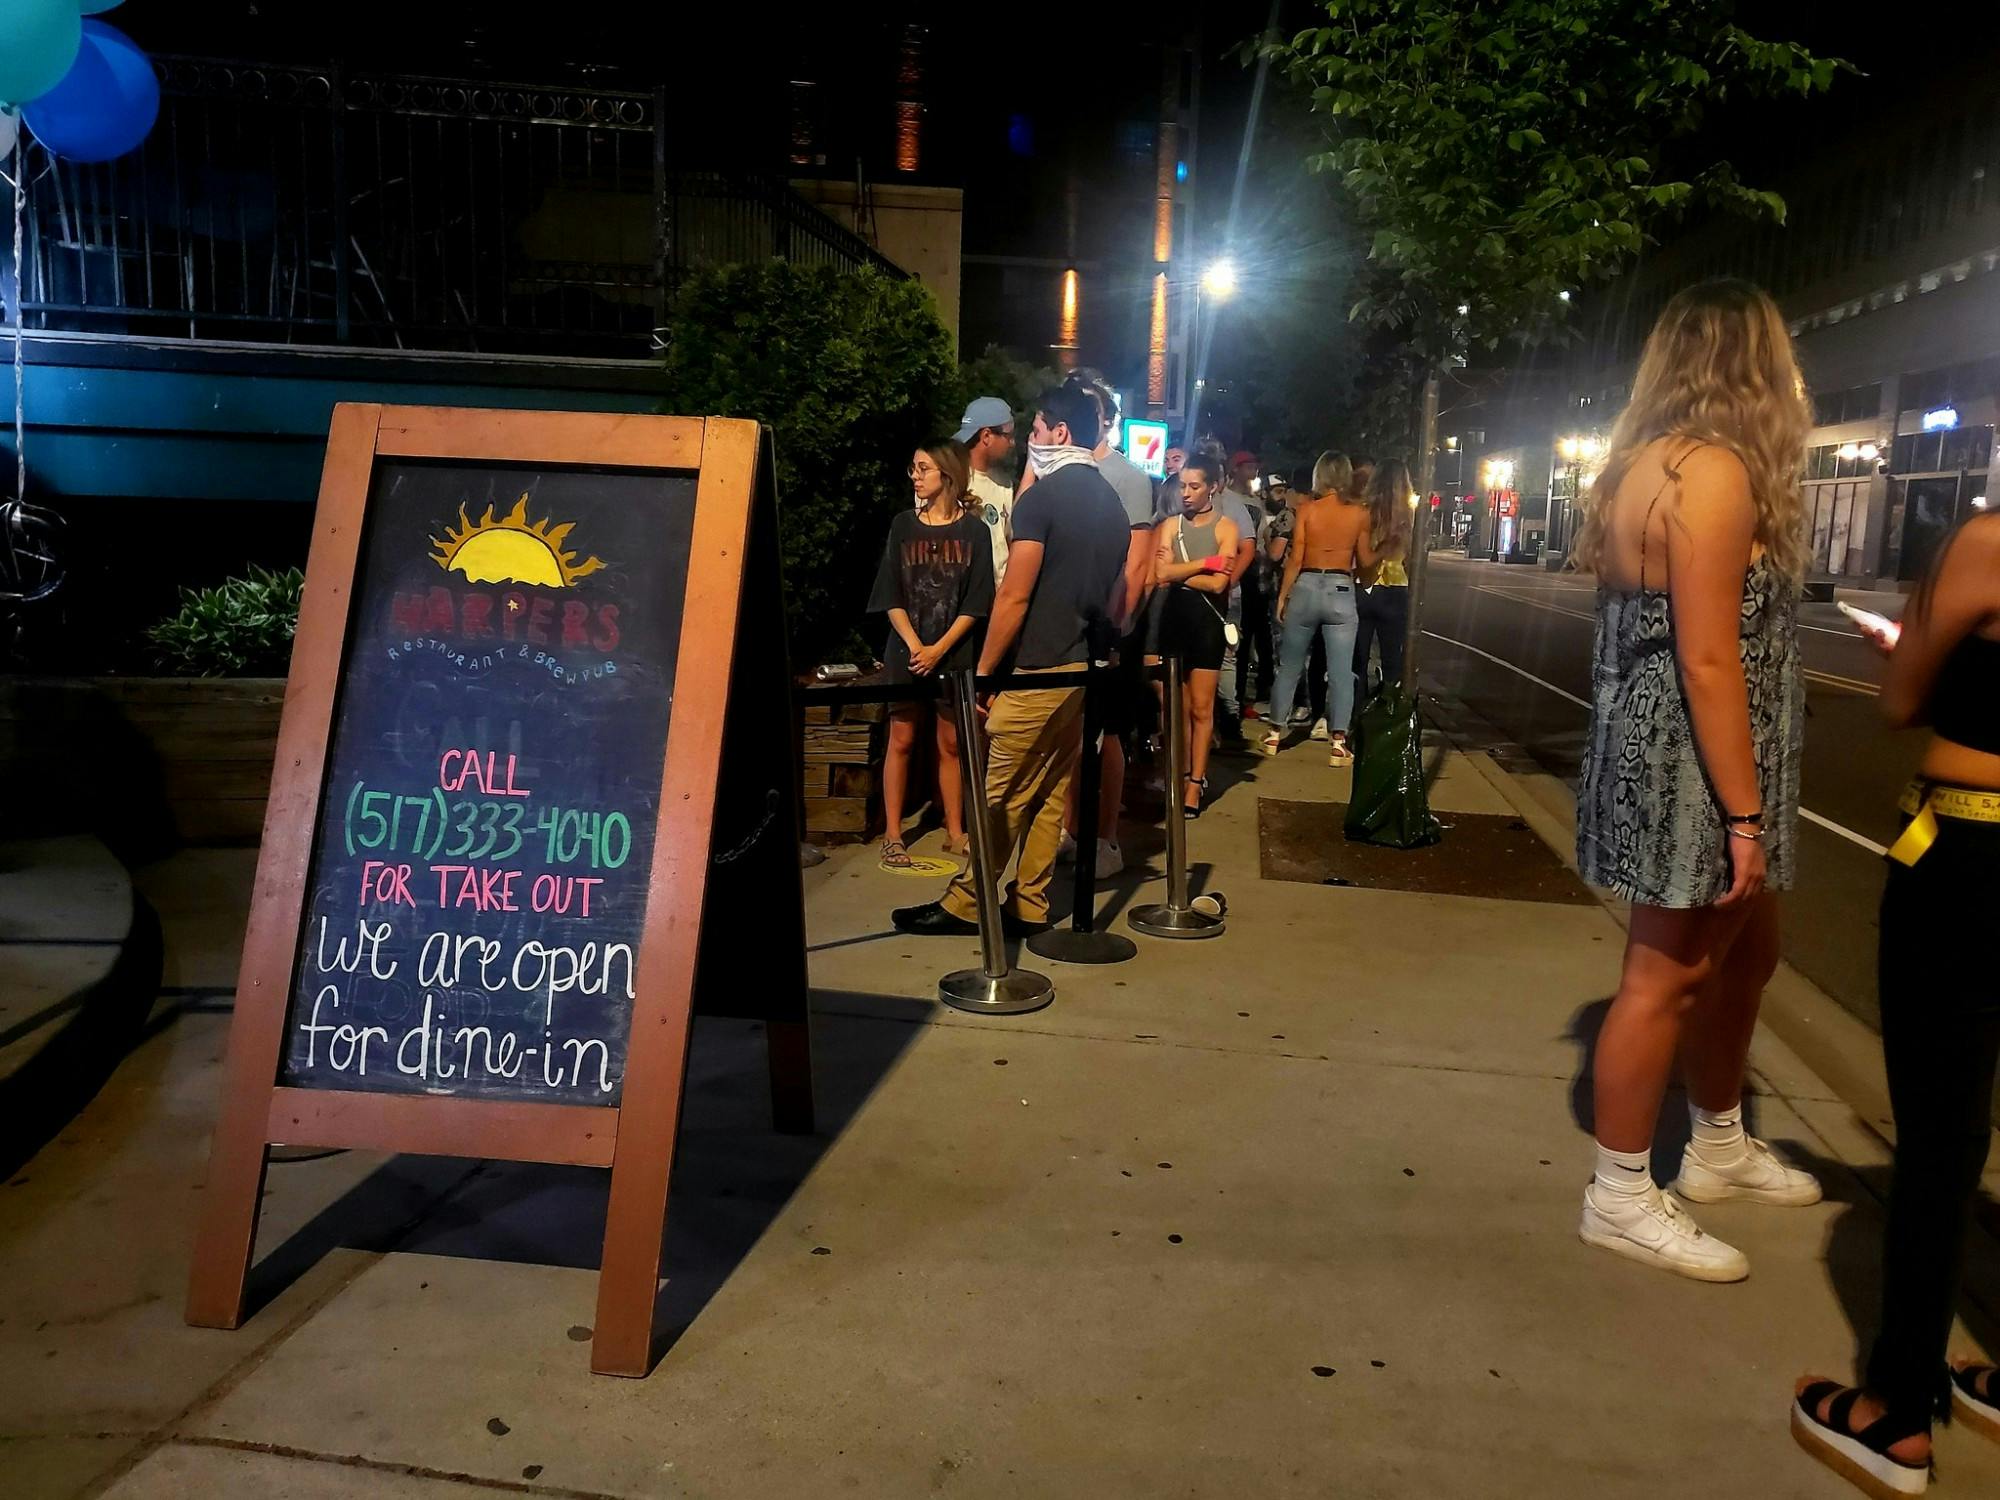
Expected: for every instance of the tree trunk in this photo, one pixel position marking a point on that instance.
(1420, 524)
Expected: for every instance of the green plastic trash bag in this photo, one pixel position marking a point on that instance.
(1390, 805)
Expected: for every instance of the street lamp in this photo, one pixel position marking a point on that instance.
(1582, 456)
(1219, 280)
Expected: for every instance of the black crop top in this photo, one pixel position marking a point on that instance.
(1965, 703)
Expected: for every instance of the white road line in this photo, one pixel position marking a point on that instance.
(1503, 662)
(1847, 833)
(1830, 679)
(1805, 812)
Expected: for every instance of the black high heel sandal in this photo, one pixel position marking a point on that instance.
(1861, 1458)
(1200, 783)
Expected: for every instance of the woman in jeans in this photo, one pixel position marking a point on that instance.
(1330, 543)
(1385, 599)
(935, 584)
(1688, 802)
(1940, 993)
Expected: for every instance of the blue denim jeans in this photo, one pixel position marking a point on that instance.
(1324, 602)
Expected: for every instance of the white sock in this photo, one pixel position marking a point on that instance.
(1626, 1172)
(1718, 1134)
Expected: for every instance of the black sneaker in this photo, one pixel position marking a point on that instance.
(931, 920)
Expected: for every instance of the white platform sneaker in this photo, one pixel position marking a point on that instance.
(1757, 1176)
(1654, 1230)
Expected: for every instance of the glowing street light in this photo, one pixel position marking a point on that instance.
(1219, 280)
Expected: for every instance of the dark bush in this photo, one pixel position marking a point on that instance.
(851, 370)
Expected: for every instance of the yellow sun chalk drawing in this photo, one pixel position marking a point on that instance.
(511, 550)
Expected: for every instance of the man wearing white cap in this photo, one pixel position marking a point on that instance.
(987, 431)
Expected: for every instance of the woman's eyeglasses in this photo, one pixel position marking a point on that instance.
(918, 471)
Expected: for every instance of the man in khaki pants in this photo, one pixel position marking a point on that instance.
(1064, 587)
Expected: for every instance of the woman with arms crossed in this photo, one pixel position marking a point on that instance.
(1688, 801)
(1192, 566)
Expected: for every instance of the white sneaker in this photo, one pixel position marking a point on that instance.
(1319, 729)
(1110, 859)
(1653, 1229)
(1066, 849)
(1757, 1176)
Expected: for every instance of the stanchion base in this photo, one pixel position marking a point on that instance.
(1009, 995)
(1065, 945)
(1174, 922)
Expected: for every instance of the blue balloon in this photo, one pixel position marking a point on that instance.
(106, 102)
(97, 7)
(38, 42)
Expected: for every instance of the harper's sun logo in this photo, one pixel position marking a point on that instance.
(511, 550)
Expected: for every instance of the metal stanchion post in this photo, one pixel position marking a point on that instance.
(1080, 942)
(1176, 919)
(992, 988)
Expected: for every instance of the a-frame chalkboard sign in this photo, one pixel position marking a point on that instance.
(535, 738)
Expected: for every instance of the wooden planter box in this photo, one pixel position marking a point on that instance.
(147, 763)
(841, 772)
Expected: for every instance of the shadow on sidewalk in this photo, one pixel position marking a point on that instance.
(1674, 1130)
(1853, 1254)
(732, 1173)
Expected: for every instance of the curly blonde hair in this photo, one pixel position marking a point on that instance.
(1718, 368)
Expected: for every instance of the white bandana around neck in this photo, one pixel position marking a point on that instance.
(1046, 458)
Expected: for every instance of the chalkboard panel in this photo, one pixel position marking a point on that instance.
(477, 891)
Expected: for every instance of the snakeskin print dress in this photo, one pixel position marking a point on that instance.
(1648, 825)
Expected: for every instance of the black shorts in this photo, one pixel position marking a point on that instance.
(1192, 630)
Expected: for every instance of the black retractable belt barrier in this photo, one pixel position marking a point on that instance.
(1081, 942)
(1176, 918)
(992, 988)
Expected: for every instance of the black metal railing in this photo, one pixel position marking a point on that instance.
(301, 205)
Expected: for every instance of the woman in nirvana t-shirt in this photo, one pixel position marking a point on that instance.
(936, 585)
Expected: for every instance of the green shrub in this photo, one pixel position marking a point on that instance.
(851, 370)
(240, 628)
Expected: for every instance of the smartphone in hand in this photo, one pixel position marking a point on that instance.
(1878, 627)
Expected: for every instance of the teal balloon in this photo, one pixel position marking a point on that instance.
(38, 42)
(105, 104)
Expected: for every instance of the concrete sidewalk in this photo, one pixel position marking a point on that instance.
(1290, 1212)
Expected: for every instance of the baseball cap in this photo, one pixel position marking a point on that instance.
(1243, 456)
(984, 411)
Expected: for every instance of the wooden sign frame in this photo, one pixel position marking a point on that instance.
(636, 1137)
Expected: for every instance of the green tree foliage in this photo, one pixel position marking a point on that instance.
(1501, 155)
(242, 627)
(851, 370)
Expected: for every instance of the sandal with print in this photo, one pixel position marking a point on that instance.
(895, 856)
(1860, 1456)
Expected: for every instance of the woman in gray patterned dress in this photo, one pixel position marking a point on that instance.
(1688, 803)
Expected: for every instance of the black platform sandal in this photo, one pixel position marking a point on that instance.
(1975, 1398)
(1861, 1458)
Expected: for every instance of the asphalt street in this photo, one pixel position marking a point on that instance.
(1513, 643)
